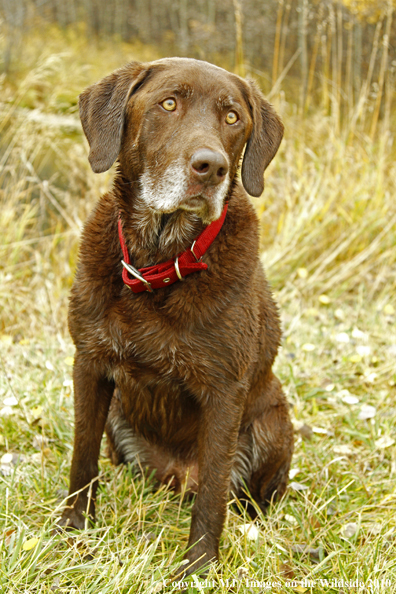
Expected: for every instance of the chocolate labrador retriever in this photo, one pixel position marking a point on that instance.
(173, 321)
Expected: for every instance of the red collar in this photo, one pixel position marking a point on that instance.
(162, 275)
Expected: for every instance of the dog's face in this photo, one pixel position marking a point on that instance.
(178, 127)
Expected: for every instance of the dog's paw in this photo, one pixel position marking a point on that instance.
(200, 565)
(71, 520)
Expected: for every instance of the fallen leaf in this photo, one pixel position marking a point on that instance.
(7, 458)
(359, 335)
(364, 350)
(324, 299)
(286, 571)
(69, 361)
(37, 411)
(10, 401)
(6, 411)
(300, 589)
(298, 486)
(305, 431)
(40, 441)
(28, 545)
(370, 377)
(384, 442)
(308, 347)
(49, 366)
(389, 310)
(7, 462)
(242, 573)
(250, 530)
(293, 472)
(342, 449)
(302, 272)
(347, 397)
(367, 412)
(8, 536)
(355, 358)
(291, 519)
(342, 337)
(305, 549)
(319, 430)
(349, 530)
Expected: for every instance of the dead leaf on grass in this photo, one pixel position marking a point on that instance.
(286, 571)
(28, 545)
(384, 442)
(342, 449)
(308, 347)
(303, 548)
(291, 519)
(293, 472)
(349, 530)
(10, 401)
(40, 441)
(367, 412)
(342, 337)
(298, 486)
(250, 530)
(303, 429)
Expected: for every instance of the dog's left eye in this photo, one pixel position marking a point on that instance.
(169, 104)
(231, 117)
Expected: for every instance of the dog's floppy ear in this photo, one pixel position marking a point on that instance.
(263, 143)
(102, 111)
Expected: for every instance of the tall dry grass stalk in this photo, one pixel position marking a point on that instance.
(239, 60)
(278, 30)
(383, 68)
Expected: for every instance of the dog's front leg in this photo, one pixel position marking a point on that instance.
(217, 442)
(92, 396)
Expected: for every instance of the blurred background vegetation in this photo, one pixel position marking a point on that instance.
(328, 213)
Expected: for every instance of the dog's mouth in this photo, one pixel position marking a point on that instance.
(178, 191)
(203, 205)
(206, 201)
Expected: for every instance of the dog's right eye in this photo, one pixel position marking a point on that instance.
(169, 104)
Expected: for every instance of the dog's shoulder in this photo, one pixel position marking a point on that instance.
(98, 276)
(99, 240)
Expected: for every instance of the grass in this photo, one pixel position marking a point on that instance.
(328, 237)
(345, 469)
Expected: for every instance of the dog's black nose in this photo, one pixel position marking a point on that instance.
(209, 166)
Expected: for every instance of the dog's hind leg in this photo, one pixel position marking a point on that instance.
(265, 449)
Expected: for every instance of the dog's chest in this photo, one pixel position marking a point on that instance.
(141, 339)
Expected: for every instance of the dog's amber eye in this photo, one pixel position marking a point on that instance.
(169, 104)
(231, 117)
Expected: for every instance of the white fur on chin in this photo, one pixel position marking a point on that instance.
(169, 194)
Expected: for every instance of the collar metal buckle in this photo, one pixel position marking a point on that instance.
(178, 269)
(137, 275)
(192, 251)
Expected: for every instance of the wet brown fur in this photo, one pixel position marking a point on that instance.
(184, 374)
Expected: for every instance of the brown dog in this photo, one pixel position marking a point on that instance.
(175, 361)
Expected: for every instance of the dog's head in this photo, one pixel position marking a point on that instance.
(178, 127)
